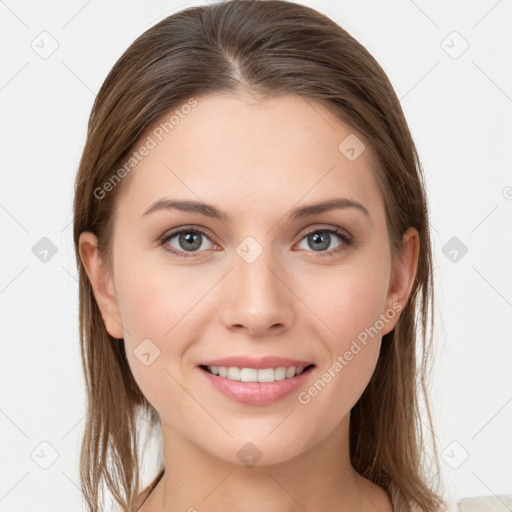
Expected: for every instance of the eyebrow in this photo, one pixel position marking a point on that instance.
(209, 210)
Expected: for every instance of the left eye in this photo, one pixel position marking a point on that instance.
(191, 241)
(321, 239)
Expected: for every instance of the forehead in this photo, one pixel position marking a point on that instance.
(251, 154)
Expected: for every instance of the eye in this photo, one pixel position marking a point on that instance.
(320, 239)
(190, 240)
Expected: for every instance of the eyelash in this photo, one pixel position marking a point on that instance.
(346, 241)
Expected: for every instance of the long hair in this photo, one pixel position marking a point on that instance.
(269, 48)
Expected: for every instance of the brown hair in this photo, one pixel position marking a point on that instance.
(269, 48)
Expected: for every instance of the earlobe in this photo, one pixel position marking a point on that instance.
(101, 283)
(403, 276)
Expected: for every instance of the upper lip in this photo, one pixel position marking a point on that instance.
(256, 362)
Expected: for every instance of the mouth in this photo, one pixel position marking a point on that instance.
(261, 386)
(261, 375)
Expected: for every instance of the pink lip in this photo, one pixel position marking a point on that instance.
(256, 362)
(256, 393)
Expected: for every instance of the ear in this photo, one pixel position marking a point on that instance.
(403, 275)
(101, 283)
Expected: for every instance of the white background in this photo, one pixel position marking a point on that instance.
(459, 111)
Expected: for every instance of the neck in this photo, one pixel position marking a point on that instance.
(195, 480)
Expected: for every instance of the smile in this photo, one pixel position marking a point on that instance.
(256, 386)
(256, 374)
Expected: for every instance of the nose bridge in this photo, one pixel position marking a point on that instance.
(256, 275)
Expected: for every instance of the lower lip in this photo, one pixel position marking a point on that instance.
(256, 393)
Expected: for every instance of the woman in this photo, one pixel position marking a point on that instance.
(255, 270)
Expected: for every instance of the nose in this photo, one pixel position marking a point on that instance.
(256, 297)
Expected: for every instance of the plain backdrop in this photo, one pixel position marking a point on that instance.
(450, 64)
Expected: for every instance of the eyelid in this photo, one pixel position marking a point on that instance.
(326, 227)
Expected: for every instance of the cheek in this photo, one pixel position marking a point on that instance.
(352, 307)
(155, 299)
(351, 301)
(163, 311)
(154, 307)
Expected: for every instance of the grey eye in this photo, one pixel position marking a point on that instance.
(320, 240)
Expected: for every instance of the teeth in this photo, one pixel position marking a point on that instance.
(256, 375)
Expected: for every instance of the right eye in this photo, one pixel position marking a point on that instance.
(187, 238)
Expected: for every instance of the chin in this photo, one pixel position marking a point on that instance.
(259, 450)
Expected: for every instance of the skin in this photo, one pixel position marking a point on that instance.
(291, 301)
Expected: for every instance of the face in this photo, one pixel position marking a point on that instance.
(258, 280)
